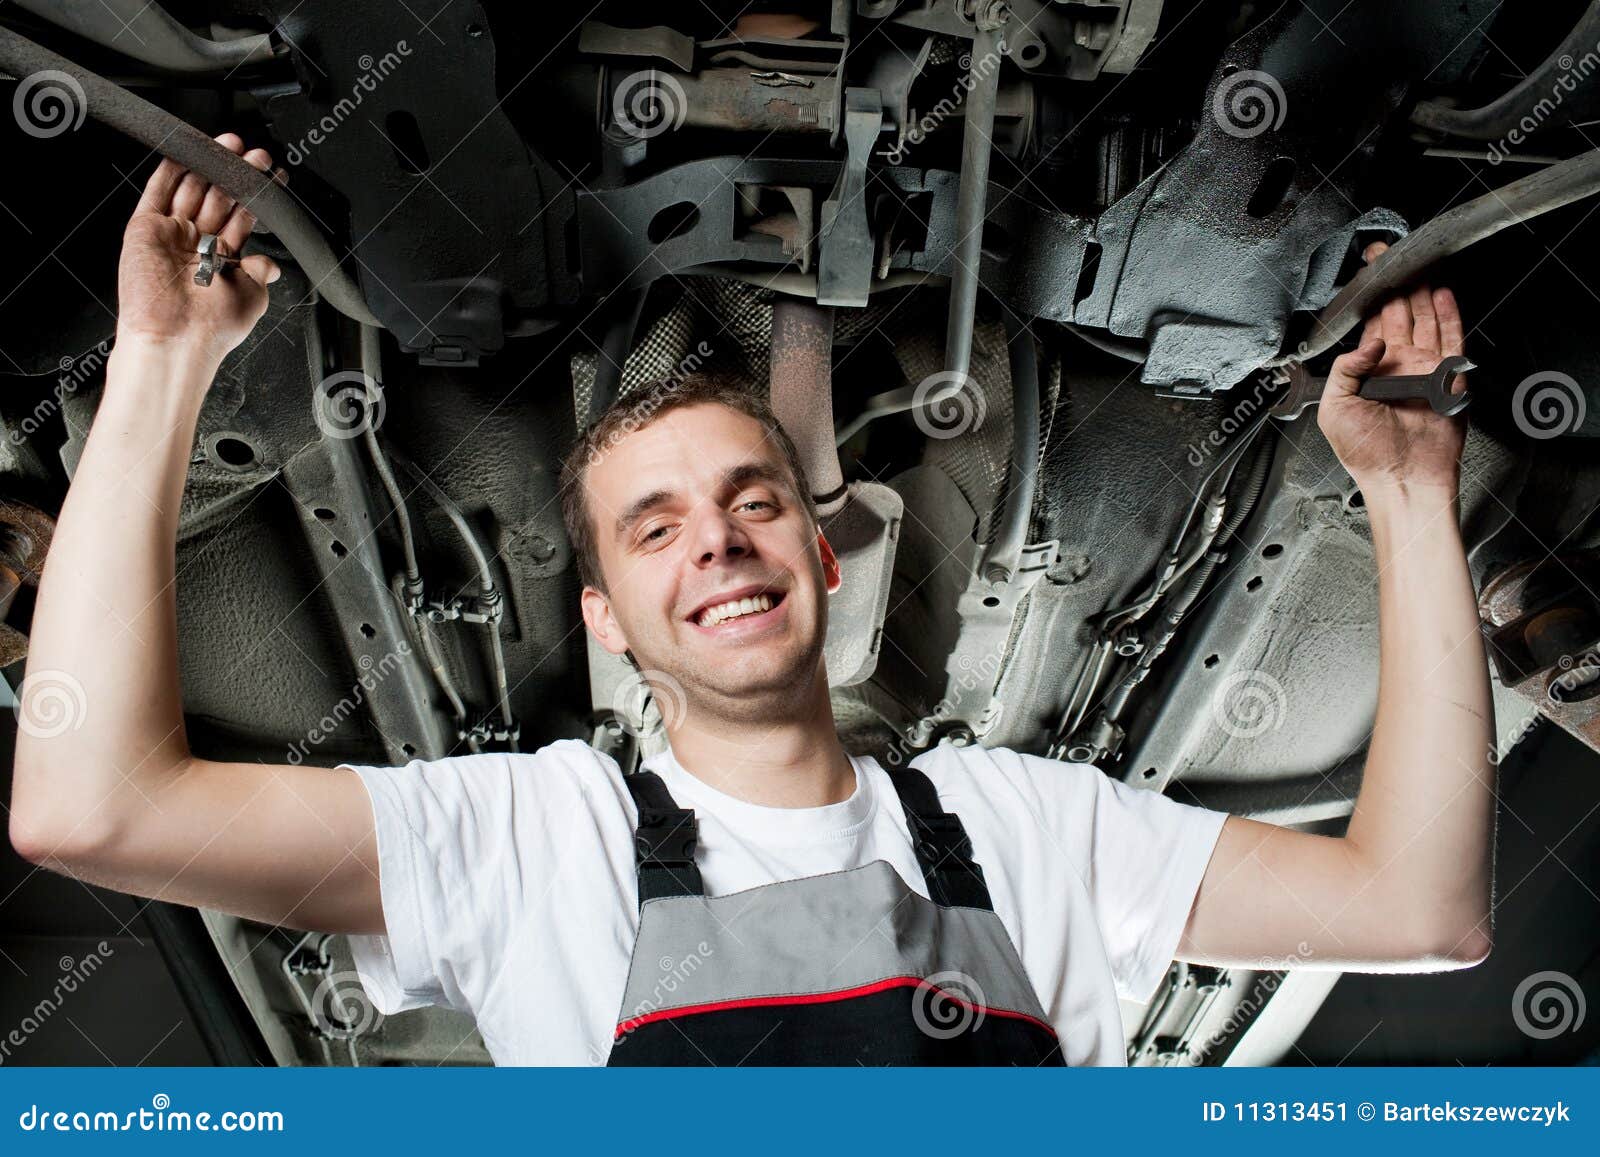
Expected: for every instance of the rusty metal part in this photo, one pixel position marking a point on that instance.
(791, 226)
(741, 98)
(10, 583)
(25, 535)
(802, 393)
(1542, 626)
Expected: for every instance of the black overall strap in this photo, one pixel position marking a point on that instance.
(664, 842)
(943, 850)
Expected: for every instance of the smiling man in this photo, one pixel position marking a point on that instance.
(754, 894)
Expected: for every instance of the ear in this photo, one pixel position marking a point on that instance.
(597, 615)
(830, 564)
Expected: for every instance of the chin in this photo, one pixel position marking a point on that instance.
(772, 668)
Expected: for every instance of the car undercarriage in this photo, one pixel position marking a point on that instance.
(1021, 278)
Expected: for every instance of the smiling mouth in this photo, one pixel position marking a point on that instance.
(738, 610)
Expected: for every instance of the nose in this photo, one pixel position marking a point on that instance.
(717, 536)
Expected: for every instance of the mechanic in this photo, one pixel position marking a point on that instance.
(785, 901)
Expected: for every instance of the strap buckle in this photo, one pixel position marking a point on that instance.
(665, 839)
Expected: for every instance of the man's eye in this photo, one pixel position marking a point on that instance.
(651, 536)
(756, 502)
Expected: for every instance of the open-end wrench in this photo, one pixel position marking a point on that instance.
(1433, 388)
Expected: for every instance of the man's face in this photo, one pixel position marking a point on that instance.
(692, 515)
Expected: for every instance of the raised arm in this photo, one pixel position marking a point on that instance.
(109, 791)
(1407, 888)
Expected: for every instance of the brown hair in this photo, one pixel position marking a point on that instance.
(634, 412)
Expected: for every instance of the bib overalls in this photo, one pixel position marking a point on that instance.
(846, 968)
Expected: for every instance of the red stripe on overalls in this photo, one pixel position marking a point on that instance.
(875, 987)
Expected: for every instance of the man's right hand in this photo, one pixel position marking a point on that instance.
(157, 297)
(111, 793)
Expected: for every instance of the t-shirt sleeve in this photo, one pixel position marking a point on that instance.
(447, 859)
(1148, 855)
(1141, 856)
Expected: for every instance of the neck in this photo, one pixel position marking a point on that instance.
(791, 761)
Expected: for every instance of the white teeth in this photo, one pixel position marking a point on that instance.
(722, 612)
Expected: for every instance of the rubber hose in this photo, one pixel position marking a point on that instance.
(1500, 117)
(159, 130)
(1450, 232)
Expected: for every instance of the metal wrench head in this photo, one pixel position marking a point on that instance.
(1439, 395)
(1304, 390)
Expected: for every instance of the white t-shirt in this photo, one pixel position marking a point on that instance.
(509, 890)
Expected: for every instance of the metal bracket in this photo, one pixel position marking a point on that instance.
(844, 264)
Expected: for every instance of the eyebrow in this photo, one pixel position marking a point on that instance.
(733, 478)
